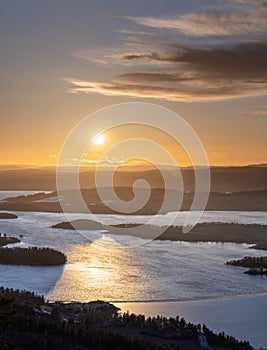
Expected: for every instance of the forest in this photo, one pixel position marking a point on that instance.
(24, 327)
(33, 256)
(250, 261)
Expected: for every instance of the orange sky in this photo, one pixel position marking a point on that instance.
(61, 63)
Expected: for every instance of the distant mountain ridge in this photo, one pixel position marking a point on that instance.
(223, 179)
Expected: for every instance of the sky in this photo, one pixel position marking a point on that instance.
(204, 60)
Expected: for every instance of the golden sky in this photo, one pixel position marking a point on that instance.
(206, 61)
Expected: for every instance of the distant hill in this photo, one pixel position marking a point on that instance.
(223, 179)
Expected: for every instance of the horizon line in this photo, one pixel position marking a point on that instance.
(20, 166)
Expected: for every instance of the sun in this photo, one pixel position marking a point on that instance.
(98, 139)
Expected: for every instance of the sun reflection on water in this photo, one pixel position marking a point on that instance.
(97, 270)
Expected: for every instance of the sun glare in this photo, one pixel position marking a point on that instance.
(98, 139)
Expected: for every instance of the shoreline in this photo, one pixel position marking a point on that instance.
(218, 297)
(218, 201)
(199, 311)
(203, 232)
(217, 232)
(99, 315)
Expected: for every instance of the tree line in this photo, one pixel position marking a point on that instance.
(32, 256)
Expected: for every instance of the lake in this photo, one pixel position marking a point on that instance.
(175, 274)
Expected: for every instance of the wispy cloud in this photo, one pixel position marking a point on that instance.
(248, 21)
(54, 156)
(193, 75)
(200, 70)
(133, 32)
(185, 93)
(238, 61)
(102, 162)
(260, 113)
(252, 2)
(110, 163)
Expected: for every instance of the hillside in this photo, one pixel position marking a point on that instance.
(223, 179)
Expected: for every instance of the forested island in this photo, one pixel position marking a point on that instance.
(203, 232)
(257, 271)
(33, 256)
(80, 224)
(259, 246)
(250, 261)
(5, 240)
(257, 265)
(27, 321)
(8, 216)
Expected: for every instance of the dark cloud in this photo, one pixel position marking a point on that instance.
(155, 56)
(199, 68)
(242, 61)
(191, 74)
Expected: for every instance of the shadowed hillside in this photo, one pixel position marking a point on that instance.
(224, 179)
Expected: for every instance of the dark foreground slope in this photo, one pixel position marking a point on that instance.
(28, 322)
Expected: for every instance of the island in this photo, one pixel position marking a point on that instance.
(32, 256)
(257, 271)
(8, 216)
(249, 261)
(257, 265)
(5, 240)
(203, 232)
(259, 246)
(80, 224)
